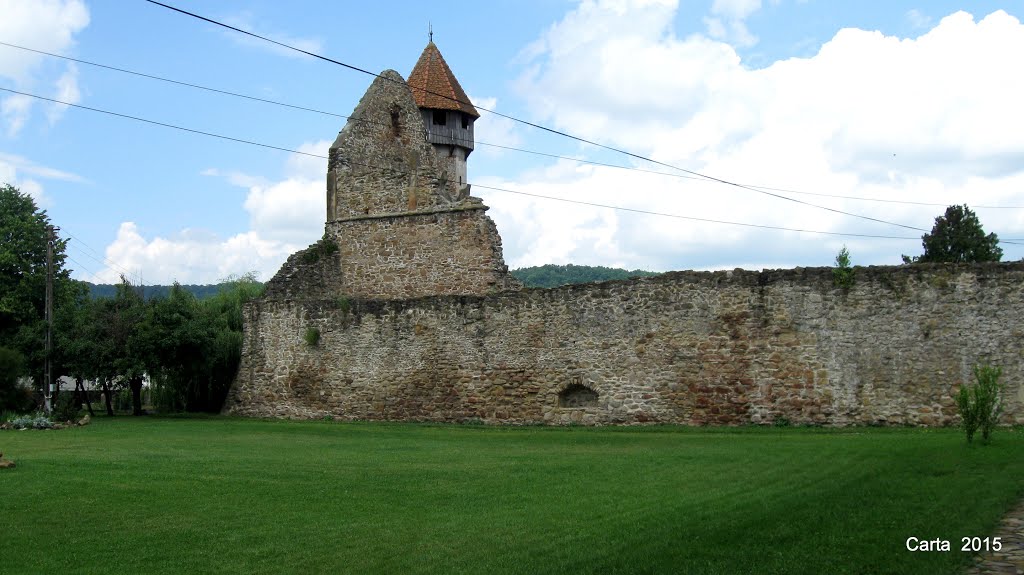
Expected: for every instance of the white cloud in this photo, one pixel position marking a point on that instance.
(9, 175)
(312, 163)
(290, 211)
(236, 178)
(14, 168)
(928, 119)
(48, 25)
(492, 129)
(189, 257)
(14, 110)
(32, 168)
(247, 21)
(737, 9)
(284, 217)
(726, 22)
(67, 91)
(918, 19)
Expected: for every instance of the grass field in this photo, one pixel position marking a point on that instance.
(221, 495)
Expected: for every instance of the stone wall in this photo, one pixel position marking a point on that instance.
(685, 347)
(450, 251)
(446, 252)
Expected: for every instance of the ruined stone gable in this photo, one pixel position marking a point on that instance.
(381, 162)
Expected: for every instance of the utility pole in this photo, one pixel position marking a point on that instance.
(48, 383)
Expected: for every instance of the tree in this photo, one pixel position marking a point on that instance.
(180, 334)
(23, 237)
(226, 353)
(130, 349)
(12, 397)
(76, 338)
(198, 344)
(842, 274)
(957, 237)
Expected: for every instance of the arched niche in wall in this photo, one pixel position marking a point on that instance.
(577, 395)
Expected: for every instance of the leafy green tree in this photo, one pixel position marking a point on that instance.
(198, 344)
(121, 351)
(226, 353)
(76, 336)
(958, 237)
(180, 335)
(23, 231)
(12, 397)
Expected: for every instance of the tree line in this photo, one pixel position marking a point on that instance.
(551, 275)
(188, 348)
(201, 291)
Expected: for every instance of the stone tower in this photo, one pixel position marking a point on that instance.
(447, 113)
(400, 221)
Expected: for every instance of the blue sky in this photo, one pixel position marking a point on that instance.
(901, 101)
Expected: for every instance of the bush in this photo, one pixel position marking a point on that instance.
(312, 336)
(980, 405)
(322, 249)
(344, 304)
(37, 421)
(13, 397)
(122, 400)
(66, 408)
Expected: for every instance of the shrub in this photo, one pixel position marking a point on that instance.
(122, 400)
(312, 336)
(980, 405)
(37, 421)
(321, 249)
(42, 422)
(66, 408)
(344, 304)
(842, 274)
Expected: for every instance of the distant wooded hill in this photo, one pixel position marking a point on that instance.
(150, 292)
(553, 276)
(538, 276)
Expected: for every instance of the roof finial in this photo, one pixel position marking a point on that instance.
(430, 31)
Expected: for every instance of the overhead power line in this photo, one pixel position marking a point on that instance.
(98, 258)
(478, 142)
(692, 218)
(168, 80)
(534, 125)
(283, 149)
(154, 122)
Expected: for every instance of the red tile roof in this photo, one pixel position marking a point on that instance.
(434, 86)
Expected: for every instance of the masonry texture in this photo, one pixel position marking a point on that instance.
(405, 310)
(685, 347)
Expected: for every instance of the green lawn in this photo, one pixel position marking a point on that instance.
(221, 495)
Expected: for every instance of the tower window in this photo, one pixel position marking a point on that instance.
(465, 121)
(440, 118)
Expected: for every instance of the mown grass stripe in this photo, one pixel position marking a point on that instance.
(223, 495)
